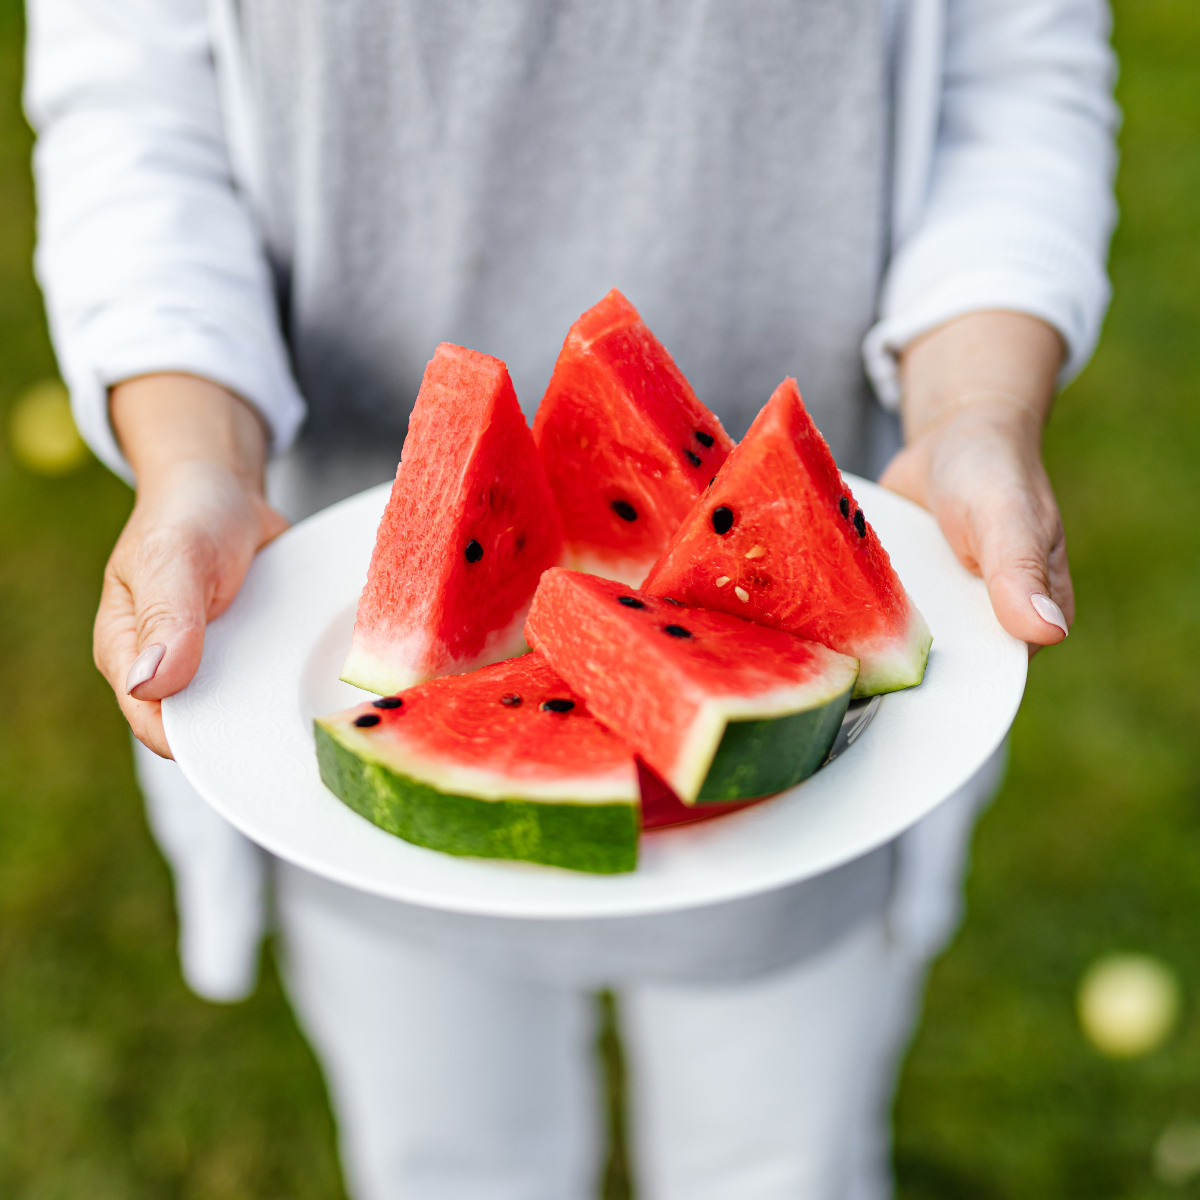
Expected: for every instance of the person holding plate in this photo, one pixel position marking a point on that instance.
(257, 219)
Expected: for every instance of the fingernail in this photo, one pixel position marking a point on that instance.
(1046, 609)
(145, 666)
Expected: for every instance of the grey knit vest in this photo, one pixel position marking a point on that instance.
(482, 171)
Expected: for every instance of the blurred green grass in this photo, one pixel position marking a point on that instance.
(115, 1083)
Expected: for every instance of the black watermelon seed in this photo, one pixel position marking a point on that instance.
(624, 510)
(474, 551)
(712, 481)
(630, 602)
(694, 459)
(387, 702)
(366, 720)
(677, 603)
(844, 505)
(722, 519)
(705, 439)
(677, 631)
(558, 705)
(511, 700)
(860, 522)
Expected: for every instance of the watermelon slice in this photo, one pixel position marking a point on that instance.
(721, 709)
(469, 529)
(627, 445)
(779, 539)
(502, 763)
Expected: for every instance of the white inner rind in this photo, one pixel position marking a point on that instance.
(629, 571)
(417, 658)
(891, 667)
(714, 713)
(618, 786)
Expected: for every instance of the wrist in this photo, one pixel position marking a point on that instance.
(982, 362)
(168, 425)
(196, 480)
(1001, 412)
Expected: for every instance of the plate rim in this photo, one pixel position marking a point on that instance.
(175, 710)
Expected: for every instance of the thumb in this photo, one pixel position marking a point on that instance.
(1022, 556)
(169, 593)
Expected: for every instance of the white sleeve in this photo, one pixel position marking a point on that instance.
(1019, 208)
(148, 255)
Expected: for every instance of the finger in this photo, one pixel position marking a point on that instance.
(1014, 546)
(145, 719)
(156, 634)
(114, 635)
(1061, 586)
(114, 646)
(1017, 545)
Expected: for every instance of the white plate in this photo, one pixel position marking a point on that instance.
(242, 732)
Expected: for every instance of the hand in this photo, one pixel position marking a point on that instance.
(977, 392)
(199, 519)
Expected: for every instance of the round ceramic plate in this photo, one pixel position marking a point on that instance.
(242, 732)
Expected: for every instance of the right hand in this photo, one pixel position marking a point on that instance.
(200, 517)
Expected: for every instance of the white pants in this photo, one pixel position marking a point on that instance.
(456, 1084)
(454, 1078)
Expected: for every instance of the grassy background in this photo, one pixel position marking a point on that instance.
(115, 1083)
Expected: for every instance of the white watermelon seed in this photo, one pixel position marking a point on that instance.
(742, 595)
(755, 552)
(723, 581)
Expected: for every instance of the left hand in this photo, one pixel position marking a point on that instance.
(977, 392)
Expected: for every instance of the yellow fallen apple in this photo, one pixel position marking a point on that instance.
(1177, 1152)
(1128, 1004)
(42, 431)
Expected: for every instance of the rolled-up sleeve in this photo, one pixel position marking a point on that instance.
(1019, 209)
(148, 255)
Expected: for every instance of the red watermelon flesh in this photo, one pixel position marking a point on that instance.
(469, 529)
(626, 444)
(719, 708)
(780, 540)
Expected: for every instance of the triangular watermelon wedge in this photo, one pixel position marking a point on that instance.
(469, 529)
(719, 708)
(779, 539)
(626, 444)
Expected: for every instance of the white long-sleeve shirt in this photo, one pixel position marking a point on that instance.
(151, 245)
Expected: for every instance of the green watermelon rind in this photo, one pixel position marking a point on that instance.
(714, 735)
(894, 667)
(763, 757)
(595, 837)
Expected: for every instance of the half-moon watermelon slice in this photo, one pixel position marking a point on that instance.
(469, 529)
(626, 444)
(506, 762)
(780, 540)
(719, 708)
